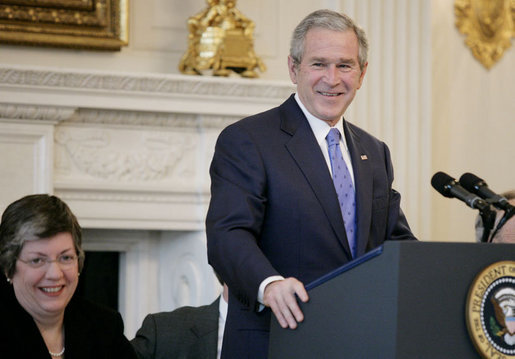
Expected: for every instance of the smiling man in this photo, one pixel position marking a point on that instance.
(298, 191)
(328, 72)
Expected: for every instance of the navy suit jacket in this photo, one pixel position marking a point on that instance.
(274, 211)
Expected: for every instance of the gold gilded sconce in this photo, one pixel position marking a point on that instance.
(221, 39)
(488, 25)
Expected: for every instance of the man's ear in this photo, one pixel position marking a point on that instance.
(362, 75)
(292, 69)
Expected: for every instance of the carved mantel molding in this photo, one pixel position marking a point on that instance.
(131, 150)
(197, 86)
(144, 92)
(36, 113)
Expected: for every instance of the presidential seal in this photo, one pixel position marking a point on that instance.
(490, 311)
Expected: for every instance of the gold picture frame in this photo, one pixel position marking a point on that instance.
(81, 24)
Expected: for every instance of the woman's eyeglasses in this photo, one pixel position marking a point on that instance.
(64, 261)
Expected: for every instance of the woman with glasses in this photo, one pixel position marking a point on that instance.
(41, 256)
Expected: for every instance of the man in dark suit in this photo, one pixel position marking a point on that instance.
(185, 333)
(277, 220)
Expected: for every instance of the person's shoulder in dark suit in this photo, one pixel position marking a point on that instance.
(94, 331)
(187, 332)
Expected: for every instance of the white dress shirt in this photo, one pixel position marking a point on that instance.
(222, 310)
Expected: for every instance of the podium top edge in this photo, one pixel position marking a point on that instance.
(397, 244)
(354, 263)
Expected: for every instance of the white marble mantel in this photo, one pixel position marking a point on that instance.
(130, 154)
(130, 150)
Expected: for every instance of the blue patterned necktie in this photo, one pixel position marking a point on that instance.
(344, 187)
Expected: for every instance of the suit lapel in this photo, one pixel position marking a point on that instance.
(363, 179)
(205, 329)
(305, 150)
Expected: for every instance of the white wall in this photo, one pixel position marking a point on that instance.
(473, 121)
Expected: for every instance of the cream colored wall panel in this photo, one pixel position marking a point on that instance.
(161, 25)
(394, 100)
(266, 17)
(25, 163)
(425, 143)
(473, 121)
(173, 15)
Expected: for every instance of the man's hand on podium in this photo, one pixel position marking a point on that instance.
(280, 297)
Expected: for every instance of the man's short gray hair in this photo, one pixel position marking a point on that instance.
(330, 20)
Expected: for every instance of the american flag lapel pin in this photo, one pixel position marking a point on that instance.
(364, 157)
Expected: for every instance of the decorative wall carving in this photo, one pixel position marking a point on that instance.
(153, 157)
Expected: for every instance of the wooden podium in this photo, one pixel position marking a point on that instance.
(402, 300)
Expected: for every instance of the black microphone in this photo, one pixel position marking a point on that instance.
(450, 188)
(476, 185)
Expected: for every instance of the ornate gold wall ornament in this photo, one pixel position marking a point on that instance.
(221, 39)
(489, 26)
(86, 24)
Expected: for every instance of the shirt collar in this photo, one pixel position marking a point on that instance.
(222, 308)
(321, 128)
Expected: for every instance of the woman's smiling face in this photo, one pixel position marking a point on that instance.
(45, 291)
